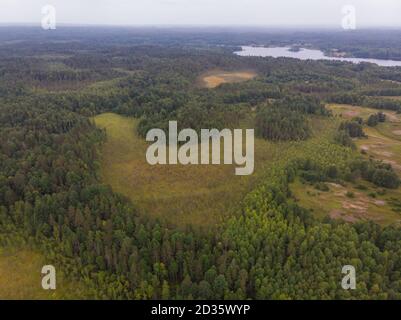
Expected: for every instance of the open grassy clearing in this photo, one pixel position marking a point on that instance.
(215, 78)
(350, 202)
(391, 130)
(195, 194)
(361, 201)
(20, 277)
(208, 194)
(109, 84)
(391, 97)
(383, 141)
(381, 147)
(347, 111)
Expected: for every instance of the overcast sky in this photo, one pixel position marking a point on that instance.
(204, 12)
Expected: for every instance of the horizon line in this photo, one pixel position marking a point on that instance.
(201, 26)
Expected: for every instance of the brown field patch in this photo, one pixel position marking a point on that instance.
(397, 132)
(352, 113)
(338, 214)
(214, 79)
(20, 278)
(392, 117)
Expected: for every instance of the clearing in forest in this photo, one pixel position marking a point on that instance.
(205, 195)
(21, 278)
(182, 194)
(362, 201)
(380, 145)
(215, 78)
(347, 111)
(383, 141)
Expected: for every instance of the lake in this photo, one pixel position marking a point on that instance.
(307, 54)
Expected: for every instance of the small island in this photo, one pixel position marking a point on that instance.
(295, 48)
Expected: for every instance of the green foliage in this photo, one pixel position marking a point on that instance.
(375, 119)
(381, 174)
(350, 194)
(281, 123)
(343, 138)
(51, 194)
(322, 187)
(353, 128)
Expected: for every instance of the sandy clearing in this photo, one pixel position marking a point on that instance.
(351, 113)
(394, 164)
(392, 117)
(338, 214)
(397, 132)
(386, 153)
(379, 202)
(214, 79)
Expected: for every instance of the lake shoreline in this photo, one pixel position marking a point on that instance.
(307, 54)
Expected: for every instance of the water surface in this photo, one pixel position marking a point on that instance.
(307, 54)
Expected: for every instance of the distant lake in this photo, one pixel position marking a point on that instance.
(306, 54)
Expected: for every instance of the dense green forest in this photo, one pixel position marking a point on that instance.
(53, 198)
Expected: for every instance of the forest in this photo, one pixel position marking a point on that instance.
(54, 200)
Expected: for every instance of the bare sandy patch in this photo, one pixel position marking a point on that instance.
(352, 113)
(216, 78)
(338, 214)
(386, 153)
(397, 132)
(379, 202)
(394, 164)
(335, 185)
(392, 117)
(356, 206)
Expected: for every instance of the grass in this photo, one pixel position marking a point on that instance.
(347, 111)
(383, 144)
(360, 201)
(205, 195)
(380, 146)
(390, 130)
(20, 278)
(196, 194)
(392, 97)
(350, 202)
(213, 79)
(384, 140)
